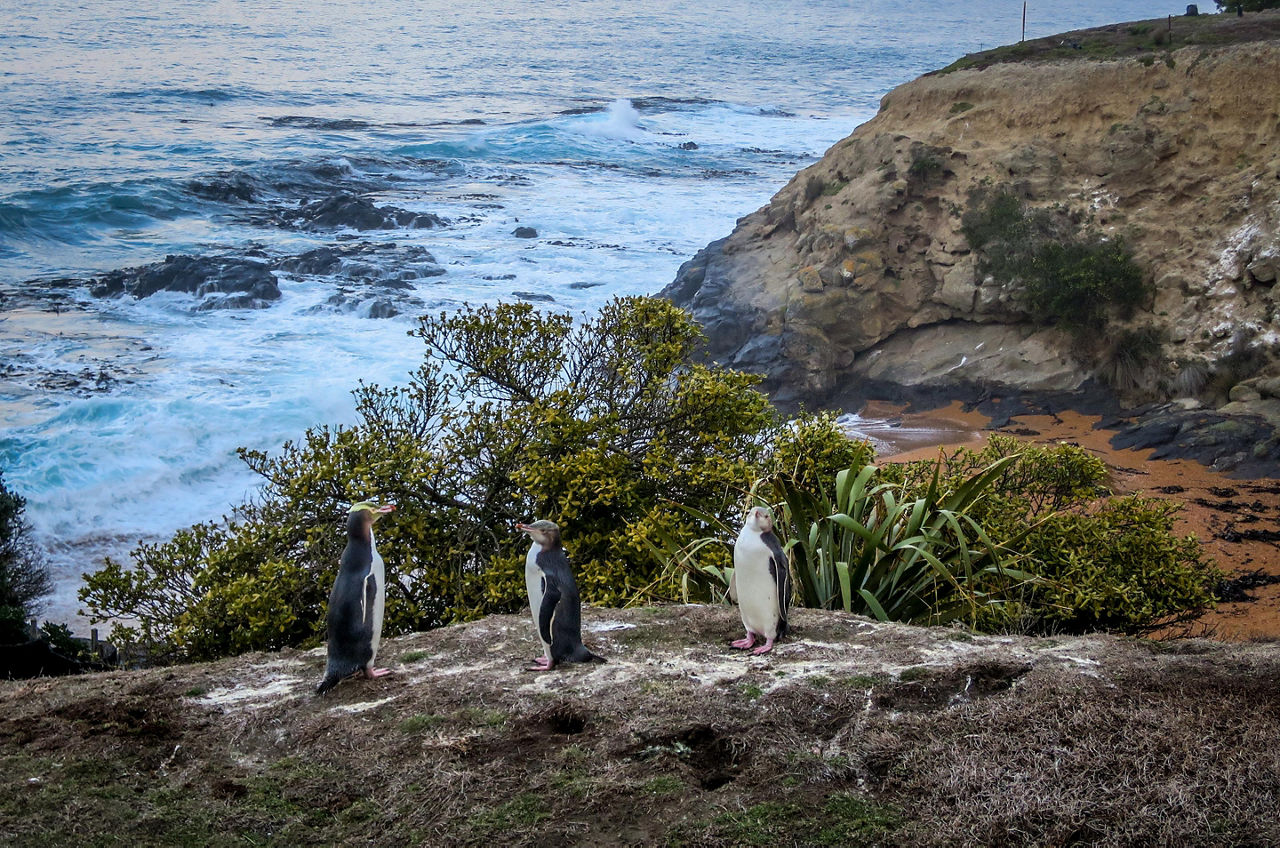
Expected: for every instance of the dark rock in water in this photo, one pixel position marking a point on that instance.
(322, 260)
(387, 264)
(252, 282)
(225, 187)
(357, 213)
(584, 284)
(688, 145)
(534, 296)
(375, 306)
(382, 308)
(307, 122)
(524, 232)
(498, 277)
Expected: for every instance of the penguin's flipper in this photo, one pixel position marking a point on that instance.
(733, 585)
(368, 601)
(780, 571)
(547, 613)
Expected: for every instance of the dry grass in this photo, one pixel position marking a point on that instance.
(851, 732)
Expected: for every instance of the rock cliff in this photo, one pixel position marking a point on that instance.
(857, 281)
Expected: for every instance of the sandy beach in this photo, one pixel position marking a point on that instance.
(1236, 520)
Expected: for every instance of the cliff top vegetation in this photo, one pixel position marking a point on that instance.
(1154, 38)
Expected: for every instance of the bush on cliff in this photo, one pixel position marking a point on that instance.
(24, 576)
(1068, 276)
(513, 415)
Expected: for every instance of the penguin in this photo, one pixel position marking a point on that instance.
(558, 613)
(761, 582)
(358, 600)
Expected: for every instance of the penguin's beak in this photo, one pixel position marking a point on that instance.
(383, 510)
(524, 528)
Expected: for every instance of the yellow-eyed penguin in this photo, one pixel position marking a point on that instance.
(533, 582)
(761, 582)
(358, 600)
(558, 610)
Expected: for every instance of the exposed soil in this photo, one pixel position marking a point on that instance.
(851, 732)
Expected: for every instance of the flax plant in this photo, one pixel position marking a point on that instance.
(870, 548)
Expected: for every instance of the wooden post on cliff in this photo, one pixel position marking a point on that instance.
(1024, 21)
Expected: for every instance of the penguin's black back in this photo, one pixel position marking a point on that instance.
(350, 618)
(560, 603)
(780, 569)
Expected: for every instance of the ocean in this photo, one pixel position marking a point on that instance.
(363, 163)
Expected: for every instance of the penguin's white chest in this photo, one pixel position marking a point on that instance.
(533, 585)
(757, 589)
(378, 573)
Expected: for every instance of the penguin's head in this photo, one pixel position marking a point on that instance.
(363, 514)
(760, 519)
(545, 533)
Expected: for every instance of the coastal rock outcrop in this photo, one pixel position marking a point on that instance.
(376, 280)
(353, 212)
(857, 279)
(225, 282)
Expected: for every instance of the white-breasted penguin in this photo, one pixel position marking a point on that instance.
(533, 584)
(358, 600)
(761, 582)
(558, 612)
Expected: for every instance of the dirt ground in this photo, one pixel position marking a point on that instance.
(1237, 521)
(851, 732)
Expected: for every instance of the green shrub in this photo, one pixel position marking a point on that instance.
(1116, 567)
(602, 426)
(1102, 563)
(875, 548)
(926, 163)
(1066, 276)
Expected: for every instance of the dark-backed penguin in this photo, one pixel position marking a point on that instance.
(761, 582)
(358, 600)
(558, 610)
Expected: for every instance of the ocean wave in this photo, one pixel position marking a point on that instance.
(68, 214)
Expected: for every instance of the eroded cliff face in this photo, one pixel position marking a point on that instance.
(856, 279)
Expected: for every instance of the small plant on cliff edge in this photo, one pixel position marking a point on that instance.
(514, 414)
(1067, 276)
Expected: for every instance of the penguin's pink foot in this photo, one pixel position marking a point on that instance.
(377, 672)
(745, 642)
(541, 664)
(765, 648)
